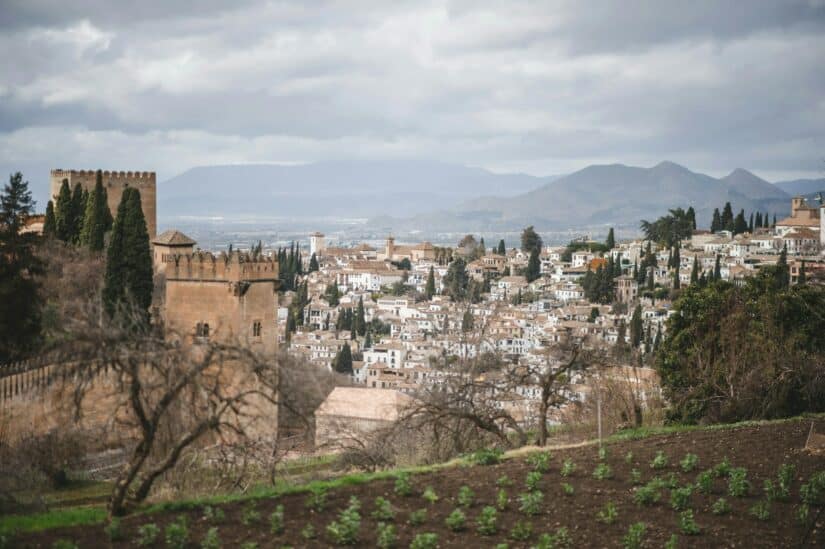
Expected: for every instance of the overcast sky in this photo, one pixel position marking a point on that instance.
(539, 87)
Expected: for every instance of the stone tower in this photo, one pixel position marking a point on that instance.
(316, 243)
(114, 183)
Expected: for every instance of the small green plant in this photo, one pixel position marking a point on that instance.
(738, 485)
(704, 481)
(403, 487)
(635, 477)
(177, 533)
(689, 462)
(521, 531)
(425, 540)
(213, 514)
(602, 453)
(211, 540)
(504, 481)
(64, 544)
(114, 530)
(659, 461)
(533, 479)
(308, 532)
(249, 545)
(635, 536)
(540, 461)
(430, 495)
(465, 496)
(628, 457)
(276, 520)
(250, 515)
(608, 514)
(803, 513)
(316, 499)
(456, 521)
(813, 491)
(147, 535)
(487, 456)
(417, 518)
(567, 488)
(761, 510)
(383, 510)
(502, 499)
(720, 507)
(648, 494)
(673, 542)
(344, 530)
(486, 521)
(568, 468)
(722, 469)
(387, 537)
(560, 539)
(530, 502)
(687, 524)
(680, 498)
(602, 472)
(785, 480)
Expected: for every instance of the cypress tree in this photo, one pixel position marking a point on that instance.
(429, 289)
(502, 250)
(802, 279)
(368, 339)
(750, 224)
(727, 217)
(63, 215)
(716, 224)
(717, 269)
(783, 276)
(343, 362)
(533, 266)
(651, 283)
(50, 225)
(758, 222)
(774, 221)
(694, 272)
(740, 225)
(78, 208)
(360, 321)
(611, 240)
(313, 263)
(691, 215)
(636, 327)
(467, 321)
(635, 270)
(290, 325)
(94, 220)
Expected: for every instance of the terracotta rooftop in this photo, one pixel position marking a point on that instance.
(173, 238)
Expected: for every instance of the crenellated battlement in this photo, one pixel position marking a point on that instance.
(234, 267)
(118, 175)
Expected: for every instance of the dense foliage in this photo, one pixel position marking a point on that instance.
(669, 229)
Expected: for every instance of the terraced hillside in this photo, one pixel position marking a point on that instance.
(714, 487)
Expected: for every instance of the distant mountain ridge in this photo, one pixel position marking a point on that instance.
(802, 186)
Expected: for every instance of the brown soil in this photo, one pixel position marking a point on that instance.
(760, 449)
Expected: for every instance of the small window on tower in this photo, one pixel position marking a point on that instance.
(256, 329)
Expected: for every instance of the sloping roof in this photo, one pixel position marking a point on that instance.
(364, 403)
(799, 222)
(173, 238)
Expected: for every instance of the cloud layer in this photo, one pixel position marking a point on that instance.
(539, 87)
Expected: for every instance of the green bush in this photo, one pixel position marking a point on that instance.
(738, 485)
(813, 491)
(276, 520)
(456, 521)
(722, 469)
(425, 540)
(387, 538)
(635, 477)
(211, 540)
(689, 462)
(635, 536)
(704, 481)
(609, 514)
(687, 524)
(568, 468)
(486, 521)
(344, 531)
(213, 514)
(177, 533)
(785, 480)
(560, 539)
(250, 515)
(403, 487)
(530, 502)
(602, 453)
(502, 500)
(316, 499)
(383, 509)
(720, 507)
(504, 481)
(602, 472)
(680, 498)
(567, 488)
(648, 494)
(147, 534)
(659, 461)
(628, 457)
(487, 456)
(308, 532)
(673, 542)
(249, 545)
(417, 518)
(114, 530)
(521, 531)
(533, 479)
(761, 510)
(430, 495)
(465, 496)
(540, 461)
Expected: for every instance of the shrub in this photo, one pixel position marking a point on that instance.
(504, 481)
(602, 472)
(344, 531)
(680, 498)
(308, 532)
(803, 513)
(250, 515)
(689, 462)
(687, 524)
(628, 457)
(720, 507)
(540, 461)
(558, 540)
(114, 531)
(387, 538)
(465, 496)
(383, 510)
(635, 477)
(673, 542)
(568, 468)
(608, 514)
(487, 456)
(530, 502)
(64, 544)
(521, 531)
(177, 533)
(704, 481)
(659, 461)
(722, 469)
(647, 494)
(276, 520)
(635, 536)
(502, 500)
(456, 521)
(785, 480)
(211, 539)
(533, 479)
(813, 491)
(761, 510)
(249, 545)
(602, 453)
(417, 518)
(316, 499)
(403, 487)
(213, 514)
(425, 540)
(430, 495)
(738, 485)
(486, 521)
(567, 488)
(147, 534)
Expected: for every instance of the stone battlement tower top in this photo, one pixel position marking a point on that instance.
(114, 182)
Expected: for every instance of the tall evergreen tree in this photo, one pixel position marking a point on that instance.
(78, 210)
(774, 221)
(610, 243)
(782, 271)
(429, 289)
(63, 215)
(360, 321)
(651, 282)
(456, 280)
(313, 263)
(691, 215)
(694, 272)
(368, 338)
(635, 270)
(533, 270)
(530, 240)
(717, 269)
(343, 361)
(802, 279)
(636, 327)
(750, 224)
(502, 249)
(677, 262)
(716, 223)
(758, 220)
(740, 225)
(50, 224)
(727, 217)
(128, 277)
(94, 220)
(467, 321)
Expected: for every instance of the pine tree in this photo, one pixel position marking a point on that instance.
(63, 215)
(50, 225)
(429, 289)
(802, 279)
(360, 321)
(332, 295)
(502, 250)
(774, 221)
(78, 210)
(533, 270)
(727, 217)
(740, 225)
(691, 215)
(94, 220)
(694, 272)
(750, 224)
(128, 277)
(636, 327)
(716, 224)
(313, 263)
(658, 339)
(717, 269)
(758, 221)
(610, 243)
(651, 282)
(368, 339)
(343, 362)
